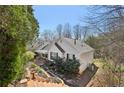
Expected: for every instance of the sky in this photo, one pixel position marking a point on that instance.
(52, 15)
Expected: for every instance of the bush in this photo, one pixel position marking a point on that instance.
(29, 55)
(69, 66)
(39, 70)
(72, 66)
(33, 65)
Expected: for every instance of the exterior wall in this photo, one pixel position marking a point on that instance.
(85, 60)
(55, 49)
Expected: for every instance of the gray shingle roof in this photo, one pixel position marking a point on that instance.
(68, 45)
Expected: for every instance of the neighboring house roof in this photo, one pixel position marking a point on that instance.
(68, 45)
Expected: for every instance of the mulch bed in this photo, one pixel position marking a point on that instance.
(70, 79)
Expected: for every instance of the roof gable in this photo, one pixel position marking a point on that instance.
(69, 46)
(78, 46)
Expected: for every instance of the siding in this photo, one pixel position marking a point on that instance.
(55, 49)
(85, 60)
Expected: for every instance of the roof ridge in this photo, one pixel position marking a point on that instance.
(71, 45)
(75, 46)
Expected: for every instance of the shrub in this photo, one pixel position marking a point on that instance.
(71, 66)
(33, 65)
(68, 66)
(29, 55)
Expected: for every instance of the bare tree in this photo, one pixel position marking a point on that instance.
(77, 32)
(59, 30)
(47, 35)
(108, 21)
(84, 32)
(67, 31)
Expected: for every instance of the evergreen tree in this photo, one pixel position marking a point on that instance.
(18, 27)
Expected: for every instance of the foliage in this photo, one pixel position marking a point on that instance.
(118, 69)
(108, 74)
(39, 70)
(33, 65)
(29, 55)
(95, 42)
(69, 66)
(19, 21)
(17, 28)
(11, 61)
(110, 25)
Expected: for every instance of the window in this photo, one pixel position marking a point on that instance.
(53, 55)
(70, 56)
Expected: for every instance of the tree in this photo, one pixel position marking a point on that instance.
(47, 35)
(67, 30)
(108, 22)
(18, 27)
(85, 32)
(77, 32)
(59, 30)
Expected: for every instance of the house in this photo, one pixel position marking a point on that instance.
(68, 48)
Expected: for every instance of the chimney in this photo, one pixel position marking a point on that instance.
(74, 41)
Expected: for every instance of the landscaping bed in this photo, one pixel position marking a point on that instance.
(36, 76)
(71, 78)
